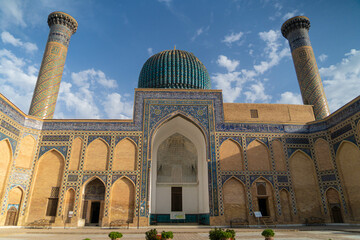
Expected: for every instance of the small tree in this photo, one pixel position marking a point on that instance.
(268, 233)
(115, 235)
(151, 234)
(167, 235)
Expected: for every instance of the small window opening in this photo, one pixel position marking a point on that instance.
(254, 113)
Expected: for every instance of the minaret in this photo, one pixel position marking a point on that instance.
(296, 31)
(62, 27)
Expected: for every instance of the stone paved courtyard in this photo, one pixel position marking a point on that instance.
(183, 233)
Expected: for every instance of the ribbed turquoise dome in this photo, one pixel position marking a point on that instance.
(174, 69)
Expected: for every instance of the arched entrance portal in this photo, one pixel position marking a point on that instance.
(179, 189)
(94, 202)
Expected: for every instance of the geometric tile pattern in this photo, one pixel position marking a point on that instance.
(205, 111)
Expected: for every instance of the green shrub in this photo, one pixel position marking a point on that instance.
(166, 235)
(232, 233)
(268, 233)
(151, 234)
(86, 239)
(115, 235)
(220, 234)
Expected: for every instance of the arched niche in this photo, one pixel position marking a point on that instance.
(125, 156)
(258, 156)
(26, 152)
(231, 157)
(279, 155)
(93, 202)
(323, 155)
(263, 197)
(194, 196)
(96, 157)
(285, 206)
(234, 200)
(46, 185)
(13, 206)
(122, 200)
(334, 205)
(5, 164)
(75, 154)
(69, 204)
(304, 180)
(348, 160)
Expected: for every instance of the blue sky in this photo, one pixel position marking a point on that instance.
(239, 42)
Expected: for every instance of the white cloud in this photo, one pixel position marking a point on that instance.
(341, 81)
(290, 15)
(116, 107)
(150, 51)
(79, 102)
(90, 76)
(274, 50)
(233, 82)
(199, 32)
(17, 79)
(233, 37)
(11, 13)
(6, 37)
(89, 97)
(278, 6)
(290, 98)
(323, 57)
(230, 65)
(230, 83)
(256, 92)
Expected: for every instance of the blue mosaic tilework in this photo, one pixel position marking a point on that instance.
(290, 151)
(350, 139)
(134, 138)
(253, 178)
(241, 178)
(282, 179)
(56, 138)
(13, 142)
(88, 176)
(10, 127)
(234, 138)
(61, 149)
(13, 205)
(132, 177)
(329, 177)
(136, 125)
(72, 178)
(10, 111)
(297, 140)
(341, 131)
(287, 188)
(105, 138)
(261, 139)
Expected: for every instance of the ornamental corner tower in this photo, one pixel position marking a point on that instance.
(62, 27)
(296, 31)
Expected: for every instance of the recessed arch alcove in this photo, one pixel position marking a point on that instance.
(179, 174)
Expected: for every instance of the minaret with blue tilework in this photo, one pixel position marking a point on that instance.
(62, 27)
(296, 31)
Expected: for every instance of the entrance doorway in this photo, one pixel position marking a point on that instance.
(94, 202)
(11, 217)
(95, 212)
(336, 213)
(263, 207)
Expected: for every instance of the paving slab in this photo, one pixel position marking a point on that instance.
(182, 233)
